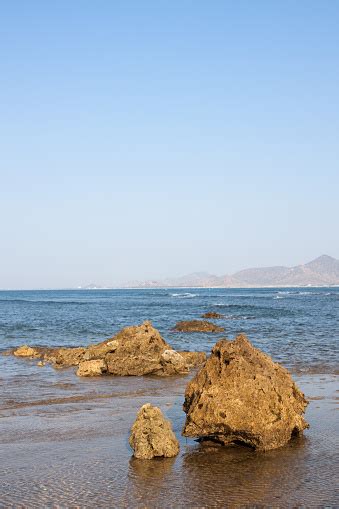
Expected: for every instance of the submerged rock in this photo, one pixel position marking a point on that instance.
(137, 350)
(212, 314)
(197, 326)
(152, 435)
(241, 395)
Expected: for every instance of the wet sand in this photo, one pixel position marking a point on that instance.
(66, 445)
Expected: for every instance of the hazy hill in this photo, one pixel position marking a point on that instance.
(323, 271)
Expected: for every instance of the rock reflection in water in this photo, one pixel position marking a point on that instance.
(238, 475)
(148, 482)
(211, 475)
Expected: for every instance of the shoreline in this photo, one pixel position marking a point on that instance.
(166, 288)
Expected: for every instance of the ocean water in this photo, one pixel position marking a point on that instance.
(297, 327)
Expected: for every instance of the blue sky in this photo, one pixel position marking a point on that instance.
(149, 139)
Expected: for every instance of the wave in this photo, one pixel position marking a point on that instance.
(186, 295)
(239, 306)
(240, 317)
(307, 292)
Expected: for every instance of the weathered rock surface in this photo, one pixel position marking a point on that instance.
(137, 350)
(152, 435)
(92, 368)
(241, 395)
(212, 314)
(197, 326)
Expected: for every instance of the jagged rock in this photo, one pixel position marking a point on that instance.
(92, 368)
(241, 395)
(26, 351)
(140, 352)
(212, 314)
(197, 326)
(137, 350)
(152, 435)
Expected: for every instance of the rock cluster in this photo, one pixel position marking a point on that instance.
(212, 314)
(137, 350)
(241, 395)
(197, 326)
(152, 436)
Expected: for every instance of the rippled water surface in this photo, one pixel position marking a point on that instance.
(64, 440)
(298, 327)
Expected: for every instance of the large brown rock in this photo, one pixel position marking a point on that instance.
(241, 395)
(141, 350)
(152, 436)
(197, 326)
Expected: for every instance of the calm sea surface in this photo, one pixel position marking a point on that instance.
(298, 327)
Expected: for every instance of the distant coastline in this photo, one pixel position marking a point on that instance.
(166, 288)
(323, 272)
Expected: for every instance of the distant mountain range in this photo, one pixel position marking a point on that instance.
(323, 271)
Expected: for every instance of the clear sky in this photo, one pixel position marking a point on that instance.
(143, 139)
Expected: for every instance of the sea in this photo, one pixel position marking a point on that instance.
(64, 439)
(298, 327)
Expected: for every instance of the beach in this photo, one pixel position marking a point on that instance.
(69, 448)
(64, 439)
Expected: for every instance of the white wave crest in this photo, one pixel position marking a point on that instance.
(186, 295)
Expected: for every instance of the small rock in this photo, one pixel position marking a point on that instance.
(197, 326)
(26, 351)
(152, 435)
(40, 364)
(92, 368)
(212, 314)
(172, 359)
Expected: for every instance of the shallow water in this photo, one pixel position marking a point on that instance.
(64, 440)
(75, 452)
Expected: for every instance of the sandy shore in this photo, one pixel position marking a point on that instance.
(68, 446)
